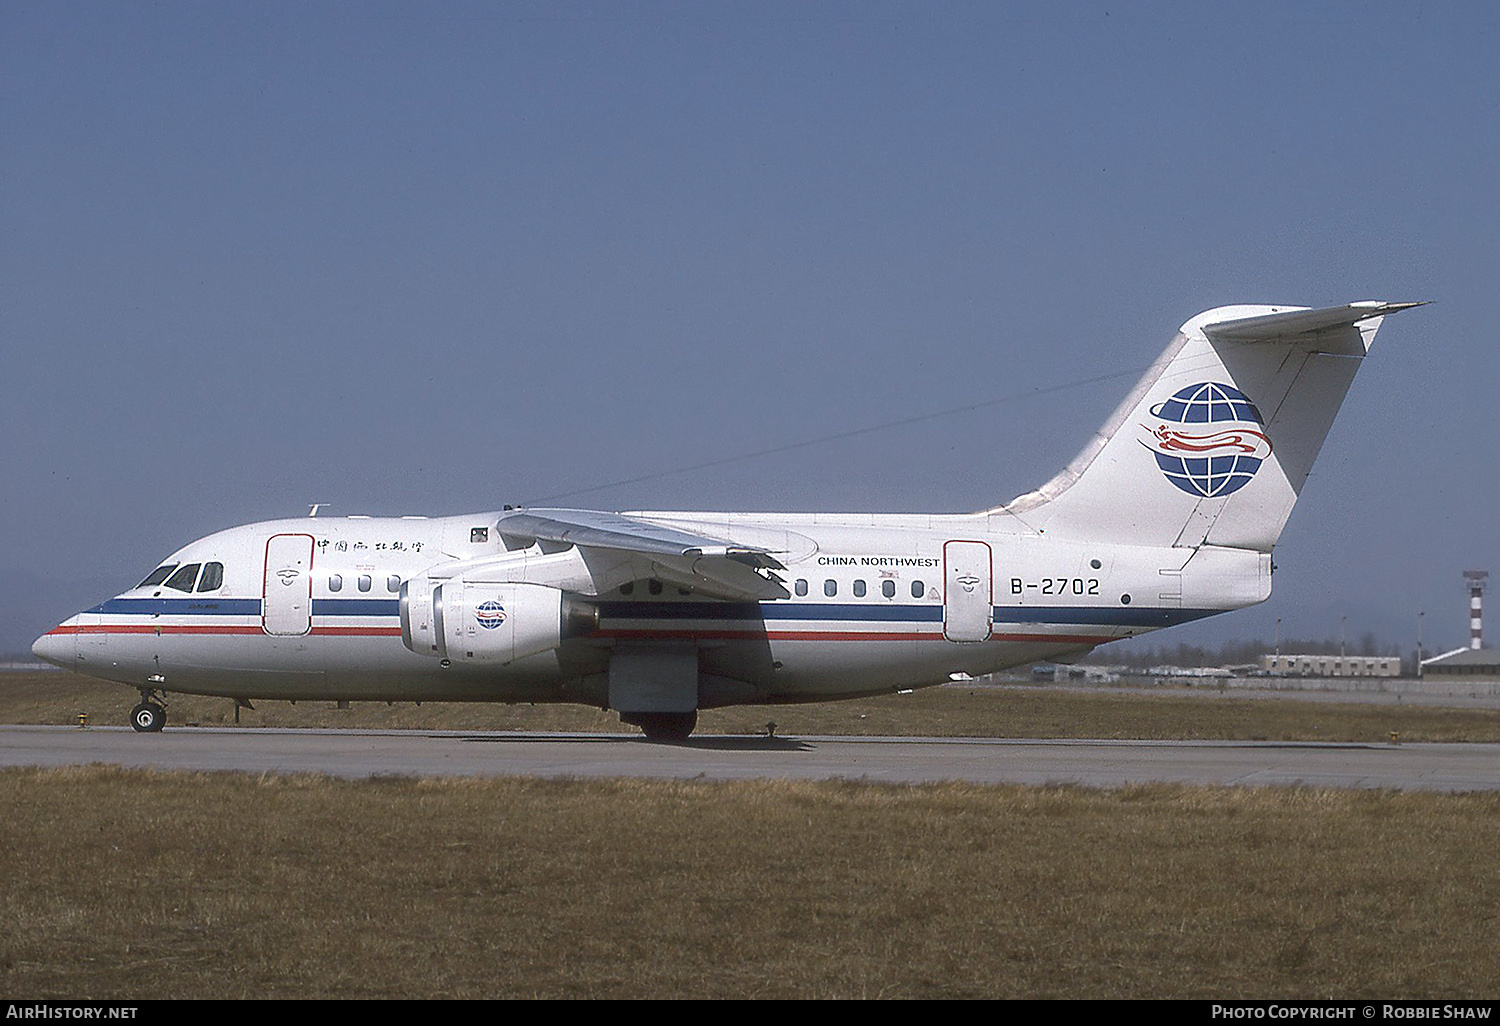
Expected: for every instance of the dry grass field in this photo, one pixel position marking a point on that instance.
(144, 884)
(1021, 711)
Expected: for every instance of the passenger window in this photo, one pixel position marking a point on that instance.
(158, 575)
(801, 587)
(393, 584)
(918, 589)
(830, 587)
(654, 587)
(335, 582)
(213, 576)
(888, 589)
(183, 579)
(859, 589)
(364, 582)
(627, 587)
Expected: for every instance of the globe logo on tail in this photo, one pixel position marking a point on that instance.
(1208, 439)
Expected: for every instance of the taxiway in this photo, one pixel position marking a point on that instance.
(367, 753)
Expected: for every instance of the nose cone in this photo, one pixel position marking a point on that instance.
(57, 646)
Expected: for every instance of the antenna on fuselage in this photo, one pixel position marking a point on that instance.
(313, 511)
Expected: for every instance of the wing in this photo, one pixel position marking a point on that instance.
(712, 566)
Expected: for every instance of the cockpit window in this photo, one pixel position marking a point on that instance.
(158, 575)
(183, 579)
(213, 577)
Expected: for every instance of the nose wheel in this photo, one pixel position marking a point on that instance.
(150, 716)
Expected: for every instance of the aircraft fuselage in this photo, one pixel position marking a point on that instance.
(877, 603)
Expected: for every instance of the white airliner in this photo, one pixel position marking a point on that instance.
(1168, 514)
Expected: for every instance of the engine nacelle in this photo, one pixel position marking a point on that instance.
(467, 622)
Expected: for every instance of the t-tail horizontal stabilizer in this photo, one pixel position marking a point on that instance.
(1304, 327)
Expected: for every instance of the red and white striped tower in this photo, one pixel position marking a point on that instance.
(1475, 580)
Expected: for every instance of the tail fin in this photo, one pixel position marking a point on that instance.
(1216, 440)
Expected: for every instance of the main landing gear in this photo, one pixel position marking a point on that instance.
(151, 715)
(663, 726)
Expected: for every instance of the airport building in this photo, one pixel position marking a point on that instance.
(1464, 662)
(1331, 666)
(1475, 661)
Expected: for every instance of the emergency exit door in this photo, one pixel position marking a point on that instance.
(968, 591)
(286, 601)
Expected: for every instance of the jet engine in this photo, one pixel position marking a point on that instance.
(489, 624)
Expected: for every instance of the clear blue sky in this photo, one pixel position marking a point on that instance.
(433, 258)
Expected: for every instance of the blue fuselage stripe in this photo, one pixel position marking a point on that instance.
(180, 607)
(356, 607)
(845, 611)
(748, 612)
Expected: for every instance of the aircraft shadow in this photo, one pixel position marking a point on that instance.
(740, 744)
(710, 744)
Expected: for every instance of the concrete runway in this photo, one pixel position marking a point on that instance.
(365, 753)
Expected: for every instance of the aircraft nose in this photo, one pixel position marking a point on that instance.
(56, 646)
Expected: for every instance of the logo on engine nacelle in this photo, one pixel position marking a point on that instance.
(489, 614)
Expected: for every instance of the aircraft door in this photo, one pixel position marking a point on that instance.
(968, 591)
(286, 599)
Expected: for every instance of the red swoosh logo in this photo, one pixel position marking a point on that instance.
(1230, 442)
